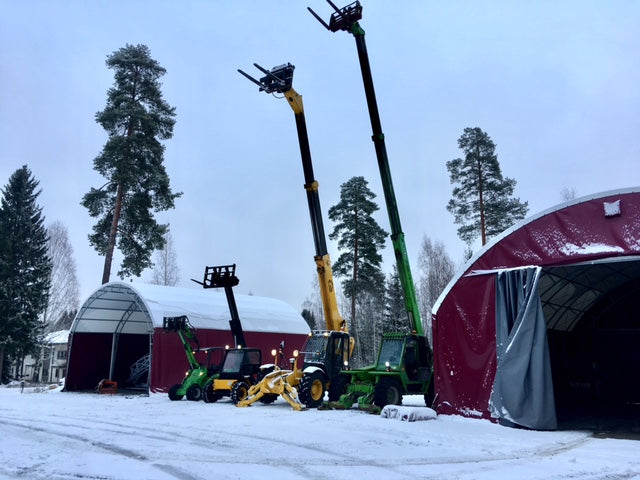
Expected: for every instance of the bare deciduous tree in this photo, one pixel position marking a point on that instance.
(436, 269)
(567, 193)
(313, 305)
(165, 270)
(64, 293)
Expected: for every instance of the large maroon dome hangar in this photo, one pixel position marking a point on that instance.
(546, 317)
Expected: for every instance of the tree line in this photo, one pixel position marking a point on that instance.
(482, 203)
(38, 286)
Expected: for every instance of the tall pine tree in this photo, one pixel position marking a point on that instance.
(482, 201)
(136, 118)
(359, 239)
(25, 267)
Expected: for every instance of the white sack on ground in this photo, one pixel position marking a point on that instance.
(408, 414)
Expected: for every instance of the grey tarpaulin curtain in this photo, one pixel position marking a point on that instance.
(523, 389)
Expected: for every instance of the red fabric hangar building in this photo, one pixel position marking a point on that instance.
(118, 332)
(545, 318)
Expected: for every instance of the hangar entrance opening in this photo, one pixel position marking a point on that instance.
(592, 312)
(110, 339)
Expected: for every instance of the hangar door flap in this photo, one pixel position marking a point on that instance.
(522, 392)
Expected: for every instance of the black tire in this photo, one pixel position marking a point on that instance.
(388, 391)
(337, 387)
(239, 391)
(268, 398)
(263, 372)
(208, 393)
(194, 393)
(311, 392)
(173, 392)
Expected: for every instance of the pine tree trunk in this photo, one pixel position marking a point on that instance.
(483, 232)
(112, 236)
(354, 329)
(1, 362)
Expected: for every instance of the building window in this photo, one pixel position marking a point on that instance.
(61, 355)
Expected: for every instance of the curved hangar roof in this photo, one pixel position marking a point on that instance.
(138, 308)
(587, 247)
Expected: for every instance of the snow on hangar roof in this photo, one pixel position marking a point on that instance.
(552, 237)
(138, 308)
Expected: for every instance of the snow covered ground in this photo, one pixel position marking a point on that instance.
(58, 435)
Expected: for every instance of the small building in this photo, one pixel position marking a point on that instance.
(49, 365)
(545, 316)
(118, 332)
(54, 364)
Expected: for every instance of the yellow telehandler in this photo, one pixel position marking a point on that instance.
(326, 351)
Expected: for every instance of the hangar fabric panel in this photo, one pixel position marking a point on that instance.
(522, 389)
(544, 315)
(118, 332)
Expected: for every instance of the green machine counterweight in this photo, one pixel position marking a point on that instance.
(405, 361)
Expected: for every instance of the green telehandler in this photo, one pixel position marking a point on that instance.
(405, 360)
(198, 374)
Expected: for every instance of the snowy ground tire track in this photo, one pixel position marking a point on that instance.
(162, 440)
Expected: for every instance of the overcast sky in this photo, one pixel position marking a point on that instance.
(555, 85)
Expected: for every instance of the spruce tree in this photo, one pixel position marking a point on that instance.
(395, 312)
(482, 201)
(359, 239)
(310, 318)
(25, 267)
(136, 118)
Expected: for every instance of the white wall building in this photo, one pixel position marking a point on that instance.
(51, 365)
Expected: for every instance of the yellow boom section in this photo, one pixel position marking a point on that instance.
(332, 317)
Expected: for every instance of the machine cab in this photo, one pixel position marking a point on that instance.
(241, 362)
(327, 348)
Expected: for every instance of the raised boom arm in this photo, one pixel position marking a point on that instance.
(347, 19)
(279, 80)
(225, 276)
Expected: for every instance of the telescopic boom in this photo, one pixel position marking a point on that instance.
(346, 19)
(280, 80)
